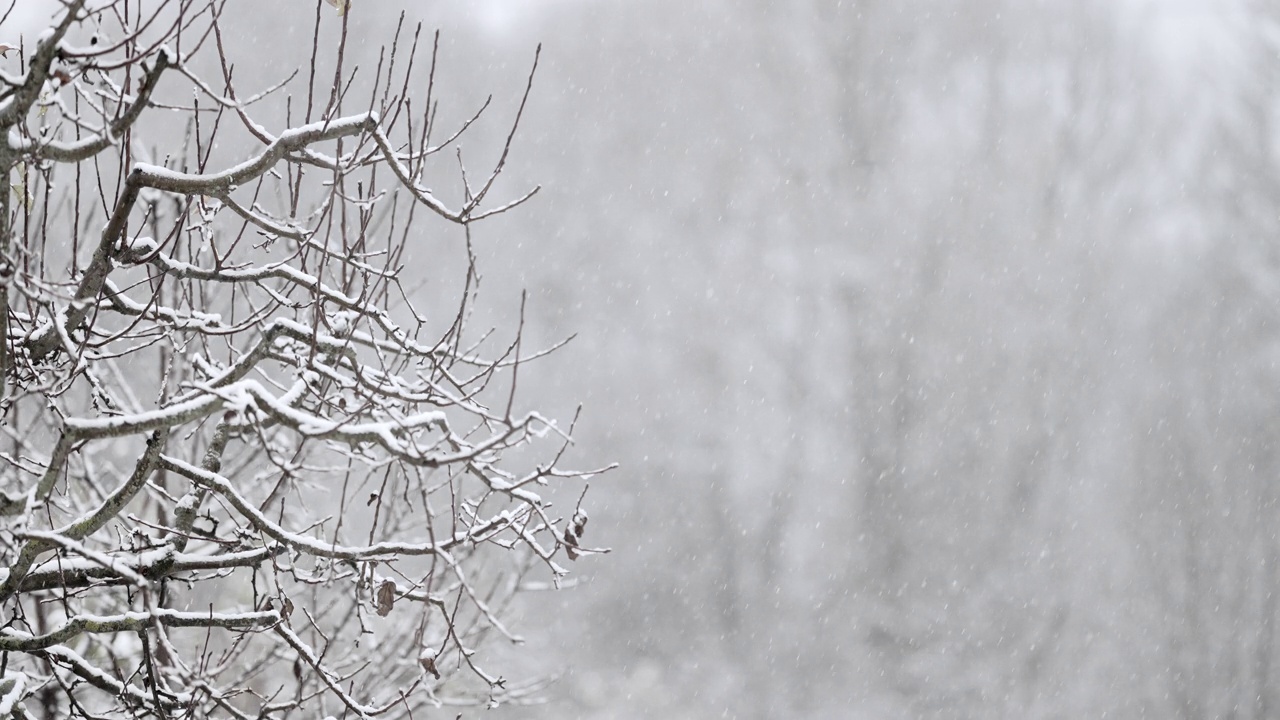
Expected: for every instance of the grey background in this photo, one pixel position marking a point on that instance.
(937, 342)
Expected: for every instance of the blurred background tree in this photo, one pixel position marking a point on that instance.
(937, 344)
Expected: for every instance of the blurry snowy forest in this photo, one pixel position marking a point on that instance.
(938, 343)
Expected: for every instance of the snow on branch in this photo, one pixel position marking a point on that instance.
(14, 641)
(240, 455)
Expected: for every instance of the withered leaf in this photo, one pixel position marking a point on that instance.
(385, 598)
(570, 543)
(429, 664)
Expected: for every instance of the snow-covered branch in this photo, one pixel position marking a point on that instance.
(236, 445)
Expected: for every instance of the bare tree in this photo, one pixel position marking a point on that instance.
(312, 511)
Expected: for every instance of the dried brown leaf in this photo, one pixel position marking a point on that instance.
(385, 598)
(428, 663)
(570, 543)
